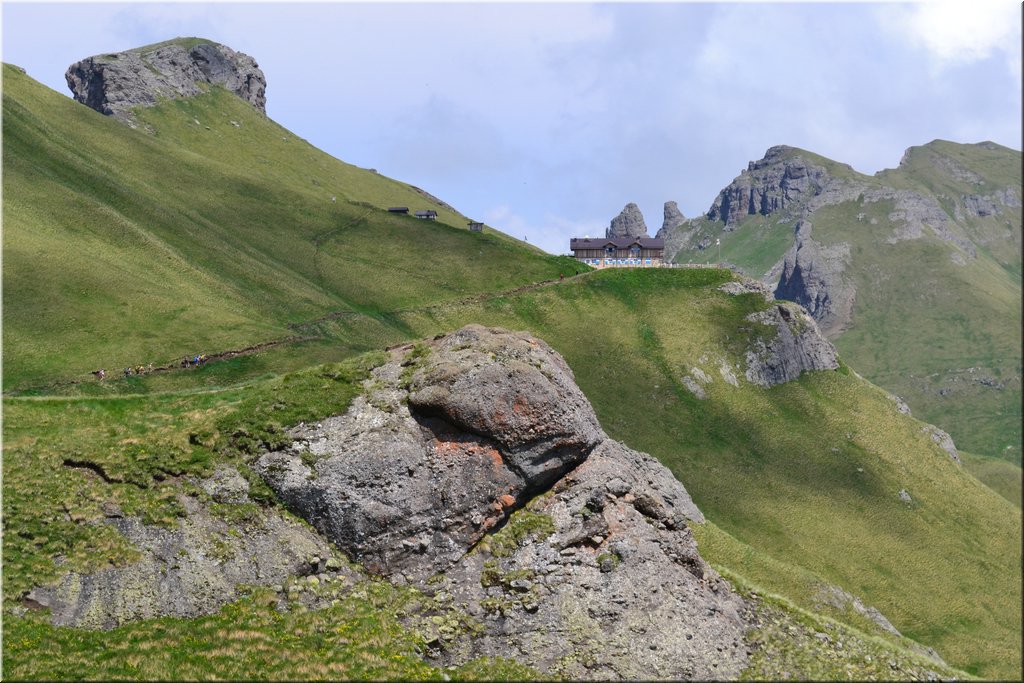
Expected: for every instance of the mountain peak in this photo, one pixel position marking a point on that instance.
(115, 83)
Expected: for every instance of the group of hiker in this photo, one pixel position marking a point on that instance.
(194, 362)
(186, 362)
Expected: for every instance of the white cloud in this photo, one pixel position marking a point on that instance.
(959, 32)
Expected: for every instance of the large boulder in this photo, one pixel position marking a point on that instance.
(453, 435)
(476, 469)
(114, 84)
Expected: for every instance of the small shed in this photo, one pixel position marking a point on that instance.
(398, 209)
(476, 227)
(429, 214)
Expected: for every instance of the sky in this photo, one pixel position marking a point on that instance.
(544, 120)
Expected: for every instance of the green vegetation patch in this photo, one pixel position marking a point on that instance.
(522, 525)
(362, 636)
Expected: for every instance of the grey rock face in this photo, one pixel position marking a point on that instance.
(629, 223)
(797, 346)
(778, 181)
(113, 84)
(227, 486)
(835, 596)
(944, 440)
(748, 286)
(673, 217)
(617, 589)
(188, 571)
(679, 237)
(914, 212)
(676, 230)
(441, 451)
(812, 276)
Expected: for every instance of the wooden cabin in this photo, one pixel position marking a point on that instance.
(619, 252)
(398, 209)
(476, 227)
(429, 214)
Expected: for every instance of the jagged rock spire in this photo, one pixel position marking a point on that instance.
(673, 217)
(629, 223)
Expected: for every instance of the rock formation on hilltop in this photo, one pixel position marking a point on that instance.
(113, 84)
(782, 179)
(676, 230)
(673, 217)
(629, 223)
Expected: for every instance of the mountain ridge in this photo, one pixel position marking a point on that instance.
(833, 239)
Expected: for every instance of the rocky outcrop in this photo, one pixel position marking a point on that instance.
(601, 579)
(187, 571)
(114, 84)
(782, 180)
(629, 223)
(673, 217)
(796, 346)
(454, 435)
(813, 276)
(676, 231)
(944, 441)
(982, 206)
(475, 462)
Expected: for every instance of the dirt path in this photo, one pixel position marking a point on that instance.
(175, 366)
(475, 299)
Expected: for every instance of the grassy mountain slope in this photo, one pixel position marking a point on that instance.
(800, 481)
(943, 332)
(365, 635)
(806, 475)
(123, 247)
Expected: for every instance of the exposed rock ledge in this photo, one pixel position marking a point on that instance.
(795, 346)
(114, 84)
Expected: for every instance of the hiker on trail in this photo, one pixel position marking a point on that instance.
(150, 368)
(139, 370)
(99, 373)
(195, 360)
(128, 372)
(561, 276)
(202, 359)
(184, 362)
